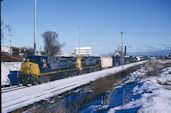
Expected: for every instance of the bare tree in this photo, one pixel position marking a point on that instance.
(118, 51)
(52, 46)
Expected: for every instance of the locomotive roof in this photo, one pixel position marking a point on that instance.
(36, 57)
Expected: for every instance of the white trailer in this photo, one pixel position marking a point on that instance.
(106, 62)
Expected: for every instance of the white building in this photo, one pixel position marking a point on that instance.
(83, 50)
(5, 49)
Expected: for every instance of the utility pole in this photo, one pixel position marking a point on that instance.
(34, 27)
(122, 49)
(79, 39)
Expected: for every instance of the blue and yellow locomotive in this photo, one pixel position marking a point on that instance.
(38, 69)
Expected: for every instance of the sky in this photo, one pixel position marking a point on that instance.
(146, 24)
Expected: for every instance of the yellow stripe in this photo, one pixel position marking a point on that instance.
(89, 67)
(54, 72)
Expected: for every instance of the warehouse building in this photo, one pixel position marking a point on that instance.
(83, 51)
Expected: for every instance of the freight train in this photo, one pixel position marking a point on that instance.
(39, 69)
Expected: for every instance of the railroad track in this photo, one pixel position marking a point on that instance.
(12, 88)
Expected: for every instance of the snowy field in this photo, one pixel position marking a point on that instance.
(6, 67)
(23, 97)
(139, 93)
(148, 95)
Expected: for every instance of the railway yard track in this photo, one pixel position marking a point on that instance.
(12, 88)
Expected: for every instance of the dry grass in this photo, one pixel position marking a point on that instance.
(102, 85)
(164, 83)
(126, 96)
(142, 77)
(167, 64)
(61, 109)
(153, 67)
(169, 72)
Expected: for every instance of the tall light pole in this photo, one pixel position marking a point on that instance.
(34, 27)
(122, 49)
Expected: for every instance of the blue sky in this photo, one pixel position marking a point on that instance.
(146, 23)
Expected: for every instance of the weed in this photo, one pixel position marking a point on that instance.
(153, 67)
(167, 82)
(169, 72)
(126, 95)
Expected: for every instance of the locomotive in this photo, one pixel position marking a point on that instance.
(39, 69)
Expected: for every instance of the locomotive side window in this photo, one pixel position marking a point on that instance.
(44, 60)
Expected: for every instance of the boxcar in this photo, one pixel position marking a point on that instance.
(106, 62)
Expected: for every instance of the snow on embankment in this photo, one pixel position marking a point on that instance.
(23, 97)
(149, 95)
(164, 61)
(6, 67)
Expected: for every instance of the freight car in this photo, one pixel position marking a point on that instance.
(106, 62)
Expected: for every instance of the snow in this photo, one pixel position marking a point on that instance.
(23, 97)
(152, 96)
(6, 67)
(139, 93)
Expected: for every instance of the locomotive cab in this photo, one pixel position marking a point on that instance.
(31, 68)
(41, 61)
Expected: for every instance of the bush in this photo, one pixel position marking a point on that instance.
(153, 67)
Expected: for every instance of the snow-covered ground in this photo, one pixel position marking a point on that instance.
(151, 97)
(6, 67)
(139, 93)
(23, 97)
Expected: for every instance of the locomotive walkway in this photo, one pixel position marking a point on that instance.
(22, 97)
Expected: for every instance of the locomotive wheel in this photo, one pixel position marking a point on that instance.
(27, 79)
(80, 72)
(73, 73)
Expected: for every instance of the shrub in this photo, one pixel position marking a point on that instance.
(153, 67)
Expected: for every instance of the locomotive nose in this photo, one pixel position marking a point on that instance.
(25, 68)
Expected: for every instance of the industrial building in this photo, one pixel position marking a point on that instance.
(83, 51)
